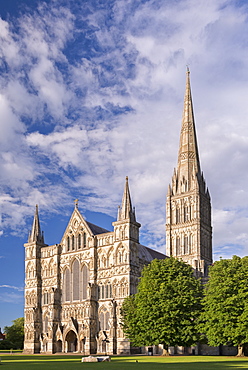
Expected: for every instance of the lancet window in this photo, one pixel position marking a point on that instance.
(66, 286)
(186, 244)
(178, 246)
(108, 291)
(75, 280)
(187, 215)
(104, 319)
(177, 215)
(105, 291)
(45, 324)
(46, 298)
(84, 240)
(79, 241)
(85, 281)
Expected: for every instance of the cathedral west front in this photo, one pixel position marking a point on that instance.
(74, 289)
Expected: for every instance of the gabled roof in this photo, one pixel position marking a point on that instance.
(149, 254)
(96, 229)
(156, 254)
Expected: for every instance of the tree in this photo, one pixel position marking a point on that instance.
(15, 333)
(225, 314)
(166, 307)
(5, 344)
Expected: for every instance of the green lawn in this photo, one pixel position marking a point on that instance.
(66, 362)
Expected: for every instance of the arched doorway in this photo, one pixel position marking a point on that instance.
(59, 346)
(71, 341)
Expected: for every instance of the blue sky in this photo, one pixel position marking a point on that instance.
(92, 91)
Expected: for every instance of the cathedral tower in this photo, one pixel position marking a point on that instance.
(33, 287)
(188, 205)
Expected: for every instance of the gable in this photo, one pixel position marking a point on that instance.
(76, 225)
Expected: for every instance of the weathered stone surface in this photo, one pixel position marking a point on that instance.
(96, 359)
(89, 359)
(188, 205)
(74, 286)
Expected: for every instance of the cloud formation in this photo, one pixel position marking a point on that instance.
(12, 287)
(92, 93)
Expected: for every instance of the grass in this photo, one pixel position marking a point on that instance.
(67, 362)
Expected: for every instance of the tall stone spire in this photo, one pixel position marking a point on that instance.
(126, 211)
(36, 235)
(188, 205)
(188, 156)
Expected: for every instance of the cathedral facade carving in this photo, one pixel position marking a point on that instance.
(74, 289)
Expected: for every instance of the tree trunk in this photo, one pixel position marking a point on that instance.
(166, 350)
(240, 350)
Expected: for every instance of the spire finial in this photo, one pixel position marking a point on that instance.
(126, 210)
(188, 157)
(36, 235)
(76, 203)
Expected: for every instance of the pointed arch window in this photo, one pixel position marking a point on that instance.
(46, 298)
(66, 286)
(104, 319)
(186, 244)
(106, 291)
(85, 281)
(187, 213)
(177, 215)
(73, 242)
(68, 243)
(84, 240)
(190, 241)
(79, 241)
(101, 292)
(75, 280)
(177, 246)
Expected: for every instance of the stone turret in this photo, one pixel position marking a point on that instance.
(126, 211)
(126, 226)
(35, 234)
(33, 287)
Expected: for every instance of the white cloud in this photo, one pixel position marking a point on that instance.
(64, 98)
(12, 287)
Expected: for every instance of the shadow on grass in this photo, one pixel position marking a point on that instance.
(38, 362)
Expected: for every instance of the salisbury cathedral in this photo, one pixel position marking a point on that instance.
(74, 289)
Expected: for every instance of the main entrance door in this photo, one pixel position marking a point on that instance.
(71, 341)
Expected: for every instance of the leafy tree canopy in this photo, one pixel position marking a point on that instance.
(166, 307)
(225, 315)
(15, 333)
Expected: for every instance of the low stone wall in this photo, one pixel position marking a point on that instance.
(206, 350)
